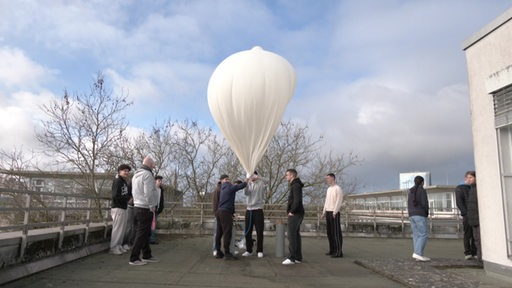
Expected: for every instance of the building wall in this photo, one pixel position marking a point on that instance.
(488, 52)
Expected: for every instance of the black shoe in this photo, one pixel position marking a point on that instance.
(337, 256)
(230, 256)
(154, 242)
(219, 255)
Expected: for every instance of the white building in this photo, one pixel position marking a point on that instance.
(407, 179)
(489, 64)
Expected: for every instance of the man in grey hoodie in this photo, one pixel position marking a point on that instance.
(145, 201)
(255, 195)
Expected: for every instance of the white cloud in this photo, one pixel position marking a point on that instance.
(19, 115)
(17, 70)
(385, 79)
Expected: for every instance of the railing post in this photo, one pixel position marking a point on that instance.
(62, 222)
(374, 220)
(279, 238)
(24, 232)
(318, 216)
(88, 221)
(201, 216)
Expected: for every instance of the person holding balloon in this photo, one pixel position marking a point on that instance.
(225, 211)
(255, 199)
(295, 211)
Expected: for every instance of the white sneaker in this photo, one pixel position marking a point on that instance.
(260, 254)
(247, 253)
(468, 257)
(420, 258)
(137, 263)
(288, 262)
(116, 251)
(152, 260)
(126, 247)
(214, 253)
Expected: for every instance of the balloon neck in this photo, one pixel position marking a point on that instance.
(257, 48)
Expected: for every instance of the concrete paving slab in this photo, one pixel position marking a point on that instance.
(188, 262)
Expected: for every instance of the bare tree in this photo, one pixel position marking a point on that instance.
(293, 147)
(82, 128)
(13, 164)
(198, 152)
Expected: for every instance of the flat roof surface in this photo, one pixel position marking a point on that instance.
(188, 262)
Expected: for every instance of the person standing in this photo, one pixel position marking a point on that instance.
(145, 201)
(332, 215)
(295, 212)
(417, 206)
(473, 214)
(255, 199)
(215, 206)
(159, 209)
(461, 195)
(121, 194)
(225, 211)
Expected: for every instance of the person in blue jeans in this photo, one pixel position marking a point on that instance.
(417, 206)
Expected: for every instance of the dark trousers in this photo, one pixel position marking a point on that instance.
(478, 244)
(254, 218)
(143, 218)
(294, 239)
(334, 234)
(129, 237)
(224, 230)
(469, 241)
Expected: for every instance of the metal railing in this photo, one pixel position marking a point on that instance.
(25, 211)
(372, 221)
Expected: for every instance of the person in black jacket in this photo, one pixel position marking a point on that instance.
(159, 208)
(418, 208)
(473, 217)
(295, 212)
(121, 194)
(461, 196)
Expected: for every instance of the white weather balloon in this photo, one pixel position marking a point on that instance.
(247, 94)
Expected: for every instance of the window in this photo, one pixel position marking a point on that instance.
(503, 122)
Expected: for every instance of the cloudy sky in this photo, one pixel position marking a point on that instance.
(385, 79)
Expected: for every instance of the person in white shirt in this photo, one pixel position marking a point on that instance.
(331, 213)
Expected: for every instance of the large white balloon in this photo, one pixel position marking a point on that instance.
(247, 94)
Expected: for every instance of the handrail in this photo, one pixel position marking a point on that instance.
(29, 209)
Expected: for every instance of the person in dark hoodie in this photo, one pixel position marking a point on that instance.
(159, 209)
(473, 215)
(461, 196)
(295, 212)
(121, 194)
(225, 211)
(417, 206)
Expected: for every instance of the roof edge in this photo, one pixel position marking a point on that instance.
(487, 29)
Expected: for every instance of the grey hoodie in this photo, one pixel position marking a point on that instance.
(144, 190)
(255, 193)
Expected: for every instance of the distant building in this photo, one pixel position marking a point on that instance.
(441, 200)
(407, 179)
(489, 64)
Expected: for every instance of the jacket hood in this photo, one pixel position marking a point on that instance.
(297, 181)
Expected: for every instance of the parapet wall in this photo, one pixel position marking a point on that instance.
(45, 248)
